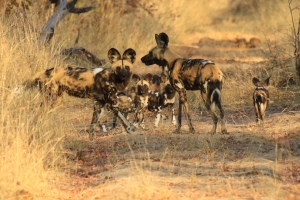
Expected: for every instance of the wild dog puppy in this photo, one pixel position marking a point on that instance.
(125, 100)
(132, 87)
(260, 99)
(161, 97)
(99, 84)
(138, 90)
(141, 100)
(124, 104)
(189, 74)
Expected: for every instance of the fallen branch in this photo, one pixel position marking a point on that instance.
(82, 53)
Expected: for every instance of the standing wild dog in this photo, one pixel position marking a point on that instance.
(189, 74)
(124, 104)
(136, 95)
(100, 84)
(161, 98)
(141, 100)
(260, 99)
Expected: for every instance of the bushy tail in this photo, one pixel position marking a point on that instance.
(32, 83)
(38, 78)
(215, 93)
(28, 84)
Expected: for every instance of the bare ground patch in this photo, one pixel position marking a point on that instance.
(250, 162)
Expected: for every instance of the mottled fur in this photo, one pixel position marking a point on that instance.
(161, 99)
(141, 100)
(189, 74)
(260, 99)
(99, 84)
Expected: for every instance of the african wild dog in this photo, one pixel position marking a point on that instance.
(124, 104)
(161, 97)
(100, 84)
(138, 93)
(141, 100)
(260, 99)
(189, 74)
(125, 99)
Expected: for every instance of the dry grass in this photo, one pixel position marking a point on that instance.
(30, 145)
(46, 154)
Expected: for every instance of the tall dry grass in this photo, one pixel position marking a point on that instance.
(31, 138)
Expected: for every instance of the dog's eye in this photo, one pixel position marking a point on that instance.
(127, 68)
(118, 69)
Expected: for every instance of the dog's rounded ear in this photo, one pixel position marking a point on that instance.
(255, 81)
(148, 78)
(114, 55)
(129, 55)
(267, 81)
(135, 78)
(162, 40)
(157, 39)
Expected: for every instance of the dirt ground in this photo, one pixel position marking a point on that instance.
(250, 162)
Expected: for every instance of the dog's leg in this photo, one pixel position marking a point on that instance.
(139, 119)
(211, 109)
(223, 125)
(125, 123)
(95, 119)
(183, 105)
(163, 116)
(211, 99)
(256, 106)
(262, 110)
(114, 118)
(56, 94)
(142, 120)
(157, 117)
(173, 117)
(142, 124)
(59, 98)
(179, 117)
(114, 123)
(102, 126)
(183, 99)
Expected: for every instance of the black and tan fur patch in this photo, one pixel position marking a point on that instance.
(141, 99)
(99, 84)
(189, 74)
(162, 99)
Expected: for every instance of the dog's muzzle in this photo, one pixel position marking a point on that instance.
(148, 60)
(123, 74)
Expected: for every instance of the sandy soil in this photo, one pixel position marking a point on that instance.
(250, 162)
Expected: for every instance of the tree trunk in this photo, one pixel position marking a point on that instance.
(297, 50)
(63, 8)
